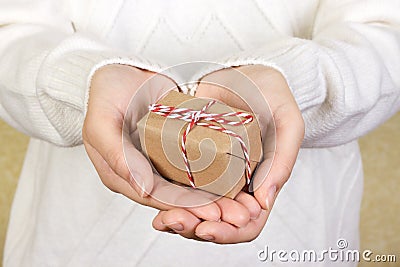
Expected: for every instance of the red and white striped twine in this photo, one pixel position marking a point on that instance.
(194, 117)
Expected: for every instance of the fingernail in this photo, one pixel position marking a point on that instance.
(270, 197)
(206, 237)
(175, 226)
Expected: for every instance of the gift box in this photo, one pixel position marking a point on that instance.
(201, 143)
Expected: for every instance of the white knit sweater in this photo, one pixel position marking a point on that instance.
(341, 58)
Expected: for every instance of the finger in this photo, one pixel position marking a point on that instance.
(233, 212)
(250, 203)
(159, 226)
(225, 233)
(140, 170)
(289, 135)
(222, 94)
(189, 229)
(158, 223)
(181, 221)
(198, 202)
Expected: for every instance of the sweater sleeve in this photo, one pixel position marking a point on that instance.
(345, 76)
(45, 69)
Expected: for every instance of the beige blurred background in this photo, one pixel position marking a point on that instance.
(380, 215)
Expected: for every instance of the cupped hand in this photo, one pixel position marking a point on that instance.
(115, 98)
(279, 156)
(241, 220)
(282, 144)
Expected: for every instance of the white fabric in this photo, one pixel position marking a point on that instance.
(341, 60)
(64, 216)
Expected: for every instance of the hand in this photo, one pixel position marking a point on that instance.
(268, 180)
(242, 219)
(289, 124)
(121, 167)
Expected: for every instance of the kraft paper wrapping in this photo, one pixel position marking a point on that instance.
(216, 159)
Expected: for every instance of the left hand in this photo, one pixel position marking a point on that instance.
(289, 132)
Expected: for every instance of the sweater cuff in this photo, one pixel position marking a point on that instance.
(64, 80)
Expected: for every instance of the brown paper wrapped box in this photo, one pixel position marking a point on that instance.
(216, 159)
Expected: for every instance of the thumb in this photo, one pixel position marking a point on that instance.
(140, 171)
(270, 178)
(272, 183)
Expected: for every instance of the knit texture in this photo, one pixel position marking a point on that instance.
(338, 57)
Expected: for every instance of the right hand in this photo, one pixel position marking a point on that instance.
(112, 88)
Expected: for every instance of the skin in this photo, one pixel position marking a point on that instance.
(111, 90)
(223, 221)
(289, 135)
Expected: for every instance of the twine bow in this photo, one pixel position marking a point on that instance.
(197, 117)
